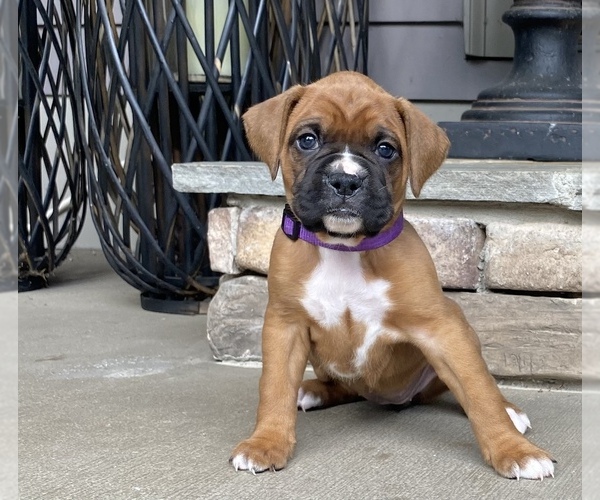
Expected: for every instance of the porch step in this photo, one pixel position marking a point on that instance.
(505, 237)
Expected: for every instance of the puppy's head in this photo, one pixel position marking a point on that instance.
(346, 149)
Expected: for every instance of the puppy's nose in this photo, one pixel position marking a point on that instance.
(343, 184)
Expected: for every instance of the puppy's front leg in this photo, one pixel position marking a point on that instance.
(285, 347)
(453, 349)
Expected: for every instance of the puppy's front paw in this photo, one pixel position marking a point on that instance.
(259, 454)
(519, 459)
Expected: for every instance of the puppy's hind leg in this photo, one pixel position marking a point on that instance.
(317, 393)
(519, 418)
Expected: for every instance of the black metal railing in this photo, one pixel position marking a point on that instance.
(166, 81)
(8, 145)
(52, 191)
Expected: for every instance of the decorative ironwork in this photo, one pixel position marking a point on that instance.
(51, 190)
(8, 145)
(166, 81)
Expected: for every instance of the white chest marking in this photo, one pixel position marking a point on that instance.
(338, 285)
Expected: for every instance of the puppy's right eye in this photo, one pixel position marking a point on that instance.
(307, 142)
(386, 150)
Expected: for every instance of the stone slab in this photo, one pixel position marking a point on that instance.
(222, 177)
(541, 257)
(524, 337)
(556, 183)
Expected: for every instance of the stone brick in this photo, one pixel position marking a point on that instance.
(591, 186)
(590, 253)
(256, 231)
(455, 245)
(235, 317)
(526, 337)
(543, 257)
(591, 340)
(222, 239)
(523, 337)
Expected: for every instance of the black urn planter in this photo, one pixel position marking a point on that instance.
(535, 113)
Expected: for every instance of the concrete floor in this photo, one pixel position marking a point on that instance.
(119, 403)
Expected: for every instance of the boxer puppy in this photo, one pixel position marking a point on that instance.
(352, 288)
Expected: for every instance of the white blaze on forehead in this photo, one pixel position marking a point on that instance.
(347, 163)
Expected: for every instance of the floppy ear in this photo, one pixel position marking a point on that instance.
(265, 125)
(427, 145)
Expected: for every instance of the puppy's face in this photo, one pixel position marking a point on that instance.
(341, 158)
(346, 149)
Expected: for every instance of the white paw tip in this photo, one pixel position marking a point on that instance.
(307, 400)
(240, 462)
(535, 468)
(520, 420)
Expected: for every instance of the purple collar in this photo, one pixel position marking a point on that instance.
(294, 229)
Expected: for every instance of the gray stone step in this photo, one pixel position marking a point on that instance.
(556, 183)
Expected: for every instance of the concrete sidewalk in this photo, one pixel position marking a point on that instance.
(120, 403)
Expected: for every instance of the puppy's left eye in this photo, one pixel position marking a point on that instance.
(385, 150)
(307, 142)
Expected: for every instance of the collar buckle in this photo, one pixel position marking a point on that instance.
(293, 232)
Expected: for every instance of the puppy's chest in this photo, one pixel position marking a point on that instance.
(348, 308)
